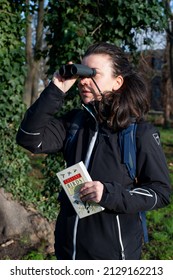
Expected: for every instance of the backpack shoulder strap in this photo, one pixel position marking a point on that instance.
(127, 142)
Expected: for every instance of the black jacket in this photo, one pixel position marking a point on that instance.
(116, 232)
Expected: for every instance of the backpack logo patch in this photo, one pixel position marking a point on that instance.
(156, 138)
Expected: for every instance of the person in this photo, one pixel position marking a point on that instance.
(111, 100)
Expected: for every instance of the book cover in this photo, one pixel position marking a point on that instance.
(71, 180)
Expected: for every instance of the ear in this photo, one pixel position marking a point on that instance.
(118, 82)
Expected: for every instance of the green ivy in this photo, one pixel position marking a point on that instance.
(14, 163)
(73, 25)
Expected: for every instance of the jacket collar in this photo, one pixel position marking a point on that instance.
(91, 111)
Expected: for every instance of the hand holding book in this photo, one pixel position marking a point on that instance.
(91, 191)
(83, 193)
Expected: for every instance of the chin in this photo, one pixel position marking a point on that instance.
(87, 100)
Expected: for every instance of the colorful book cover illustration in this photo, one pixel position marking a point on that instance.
(71, 179)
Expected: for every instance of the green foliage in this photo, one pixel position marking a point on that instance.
(73, 25)
(38, 255)
(51, 186)
(14, 163)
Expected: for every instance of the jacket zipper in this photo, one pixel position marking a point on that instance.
(120, 238)
(74, 237)
(87, 160)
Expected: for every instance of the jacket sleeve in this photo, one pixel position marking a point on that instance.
(152, 189)
(40, 131)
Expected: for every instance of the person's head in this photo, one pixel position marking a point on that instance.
(123, 93)
(100, 57)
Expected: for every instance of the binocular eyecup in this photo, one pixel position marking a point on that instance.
(70, 70)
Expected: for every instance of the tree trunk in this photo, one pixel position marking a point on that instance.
(167, 73)
(38, 48)
(33, 55)
(29, 60)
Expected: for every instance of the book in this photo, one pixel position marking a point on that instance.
(71, 179)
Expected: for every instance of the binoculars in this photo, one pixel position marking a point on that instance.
(70, 70)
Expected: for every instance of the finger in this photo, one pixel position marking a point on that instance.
(56, 75)
(86, 186)
(86, 190)
(89, 197)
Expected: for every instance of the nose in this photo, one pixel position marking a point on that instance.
(84, 80)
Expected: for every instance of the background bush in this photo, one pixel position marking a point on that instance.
(14, 163)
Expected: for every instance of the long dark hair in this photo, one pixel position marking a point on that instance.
(118, 108)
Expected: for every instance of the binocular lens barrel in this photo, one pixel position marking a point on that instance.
(70, 70)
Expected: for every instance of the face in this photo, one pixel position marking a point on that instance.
(104, 78)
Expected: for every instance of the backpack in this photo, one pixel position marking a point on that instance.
(127, 143)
